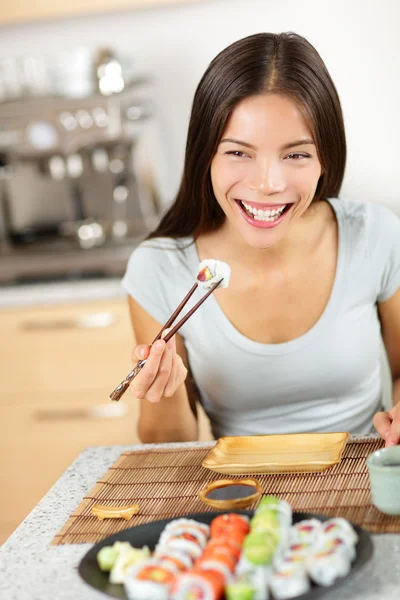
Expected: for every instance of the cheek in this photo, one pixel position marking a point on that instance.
(223, 176)
(306, 178)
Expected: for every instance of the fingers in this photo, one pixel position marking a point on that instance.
(140, 353)
(163, 372)
(394, 434)
(145, 379)
(156, 389)
(382, 423)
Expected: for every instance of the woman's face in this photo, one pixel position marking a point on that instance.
(266, 169)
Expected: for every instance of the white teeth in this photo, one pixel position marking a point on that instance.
(263, 215)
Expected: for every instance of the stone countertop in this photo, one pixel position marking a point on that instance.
(65, 292)
(31, 569)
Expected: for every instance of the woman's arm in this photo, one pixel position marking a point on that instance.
(388, 423)
(173, 417)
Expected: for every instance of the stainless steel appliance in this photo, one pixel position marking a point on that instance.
(72, 203)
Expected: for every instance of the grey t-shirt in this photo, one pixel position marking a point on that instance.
(329, 379)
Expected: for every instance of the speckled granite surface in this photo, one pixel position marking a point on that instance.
(31, 569)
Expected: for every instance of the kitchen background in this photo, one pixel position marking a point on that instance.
(94, 108)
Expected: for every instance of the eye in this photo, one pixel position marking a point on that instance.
(236, 153)
(298, 156)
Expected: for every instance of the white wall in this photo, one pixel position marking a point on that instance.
(358, 39)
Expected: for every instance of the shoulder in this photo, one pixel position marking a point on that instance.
(157, 272)
(370, 222)
(163, 263)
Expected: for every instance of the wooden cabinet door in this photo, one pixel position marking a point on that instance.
(72, 348)
(41, 439)
(58, 366)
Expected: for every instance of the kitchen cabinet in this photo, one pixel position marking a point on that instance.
(28, 10)
(58, 365)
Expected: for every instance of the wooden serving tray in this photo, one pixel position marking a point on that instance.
(289, 453)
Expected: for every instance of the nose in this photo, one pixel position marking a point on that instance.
(268, 178)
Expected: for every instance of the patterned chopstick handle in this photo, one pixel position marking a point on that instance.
(123, 386)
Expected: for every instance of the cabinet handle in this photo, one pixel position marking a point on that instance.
(91, 321)
(99, 411)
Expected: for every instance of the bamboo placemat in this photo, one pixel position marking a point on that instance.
(165, 482)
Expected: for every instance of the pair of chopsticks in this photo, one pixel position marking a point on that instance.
(123, 386)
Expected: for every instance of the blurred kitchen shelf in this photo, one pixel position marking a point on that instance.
(26, 10)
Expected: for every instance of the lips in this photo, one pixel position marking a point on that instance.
(262, 221)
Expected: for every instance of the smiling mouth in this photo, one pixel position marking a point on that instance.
(268, 215)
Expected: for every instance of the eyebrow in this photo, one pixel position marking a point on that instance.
(302, 142)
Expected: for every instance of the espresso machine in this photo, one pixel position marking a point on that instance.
(72, 201)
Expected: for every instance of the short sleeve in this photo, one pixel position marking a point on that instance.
(388, 255)
(145, 280)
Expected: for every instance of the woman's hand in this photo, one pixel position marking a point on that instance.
(163, 373)
(387, 425)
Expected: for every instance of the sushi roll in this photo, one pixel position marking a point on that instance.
(229, 520)
(326, 567)
(289, 582)
(339, 544)
(149, 581)
(273, 512)
(341, 527)
(199, 584)
(215, 555)
(174, 559)
(224, 545)
(240, 589)
(215, 565)
(259, 579)
(186, 532)
(295, 554)
(126, 558)
(273, 503)
(211, 271)
(306, 531)
(259, 548)
(179, 523)
(184, 543)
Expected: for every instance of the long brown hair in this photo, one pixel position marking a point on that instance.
(284, 63)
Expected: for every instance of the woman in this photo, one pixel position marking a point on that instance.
(293, 344)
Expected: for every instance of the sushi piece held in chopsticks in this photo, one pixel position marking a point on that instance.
(211, 271)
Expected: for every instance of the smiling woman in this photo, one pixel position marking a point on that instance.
(293, 345)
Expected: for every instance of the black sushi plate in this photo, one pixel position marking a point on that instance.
(148, 535)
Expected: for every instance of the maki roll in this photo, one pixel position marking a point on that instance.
(259, 548)
(295, 554)
(188, 523)
(240, 590)
(289, 582)
(149, 581)
(306, 531)
(187, 532)
(224, 545)
(327, 566)
(175, 560)
(199, 584)
(211, 271)
(340, 527)
(227, 523)
(339, 544)
(183, 542)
